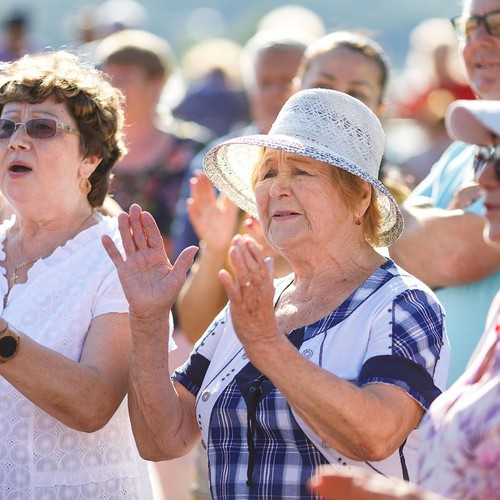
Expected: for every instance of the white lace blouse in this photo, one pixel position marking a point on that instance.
(39, 456)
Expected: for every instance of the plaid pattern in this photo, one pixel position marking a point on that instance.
(284, 457)
(417, 332)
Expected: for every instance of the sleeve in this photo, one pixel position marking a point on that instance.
(192, 372)
(426, 187)
(110, 297)
(405, 351)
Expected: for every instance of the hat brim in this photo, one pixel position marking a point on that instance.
(474, 122)
(230, 165)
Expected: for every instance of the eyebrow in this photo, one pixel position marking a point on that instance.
(361, 83)
(35, 112)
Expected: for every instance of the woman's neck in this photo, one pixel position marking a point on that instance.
(318, 290)
(34, 233)
(333, 264)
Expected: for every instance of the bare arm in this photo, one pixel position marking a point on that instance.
(366, 423)
(214, 221)
(83, 395)
(162, 414)
(444, 247)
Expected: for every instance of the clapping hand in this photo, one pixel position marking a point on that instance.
(150, 281)
(250, 292)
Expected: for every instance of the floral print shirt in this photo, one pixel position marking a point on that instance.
(156, 187)
(461, 433)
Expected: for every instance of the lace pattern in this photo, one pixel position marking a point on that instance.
(40, 456)
(324, 125)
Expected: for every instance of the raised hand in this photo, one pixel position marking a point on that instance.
(151, 283)
(213, 219)
(250, 291)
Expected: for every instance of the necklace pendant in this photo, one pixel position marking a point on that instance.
(14, 277)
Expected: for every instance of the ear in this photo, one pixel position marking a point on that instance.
(365, 198)
(88, 165)
(382, 108)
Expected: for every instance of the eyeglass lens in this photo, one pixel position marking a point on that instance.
(466, 26)
(37, 128)
(484, 155)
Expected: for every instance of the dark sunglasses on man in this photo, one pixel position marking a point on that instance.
(36, 128)
(466, 26)
(484, 155)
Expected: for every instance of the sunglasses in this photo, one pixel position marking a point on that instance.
(36, 128)
(465, 27)
(484, 155)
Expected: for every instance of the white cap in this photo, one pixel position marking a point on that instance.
(475, 122)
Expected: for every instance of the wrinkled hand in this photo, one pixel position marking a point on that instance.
(213, 219)
(250, 292)
(151, 283)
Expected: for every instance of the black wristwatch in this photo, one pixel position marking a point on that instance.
(9, 343)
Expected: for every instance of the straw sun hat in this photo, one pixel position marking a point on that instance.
(325, 125)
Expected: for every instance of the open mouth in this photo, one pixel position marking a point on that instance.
(19, 169)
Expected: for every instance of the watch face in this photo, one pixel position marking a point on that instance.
(8, 346)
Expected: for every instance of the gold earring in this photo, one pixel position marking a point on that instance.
(85, 185)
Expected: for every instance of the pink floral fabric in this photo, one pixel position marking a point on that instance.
(461, 433)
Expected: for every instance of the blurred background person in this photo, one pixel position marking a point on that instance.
(91, 23)
(445, 248)
(354, 63)
(151, 173)
(17, 39)
(300, 16)
(460, 453)
(159, 149)
(65, 334)
(215, 97)
(433, 77)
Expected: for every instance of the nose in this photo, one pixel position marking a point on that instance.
(18, 139)
(280, 185)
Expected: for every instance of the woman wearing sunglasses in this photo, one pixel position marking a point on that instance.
(460, 454)
(64, 329)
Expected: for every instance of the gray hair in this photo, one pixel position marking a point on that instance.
(269, 40)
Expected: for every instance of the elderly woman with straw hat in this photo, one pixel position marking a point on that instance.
(335, 363)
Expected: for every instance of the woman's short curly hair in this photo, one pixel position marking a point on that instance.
(94, 103)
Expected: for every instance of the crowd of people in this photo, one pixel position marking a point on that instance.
(245, 275)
